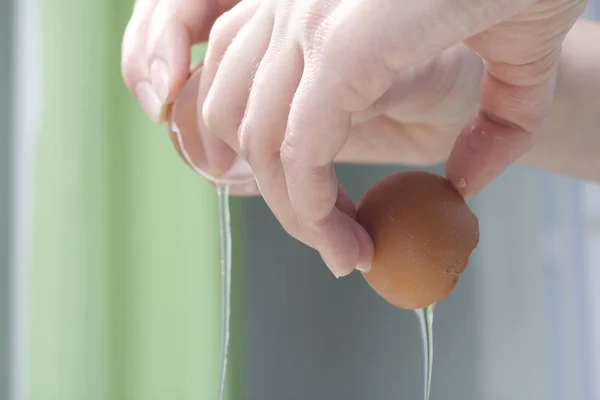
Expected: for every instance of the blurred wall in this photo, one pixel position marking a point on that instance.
(517, 326)
(5, 189)
(311, 336)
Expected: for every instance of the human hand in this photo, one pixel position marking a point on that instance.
(331, 60)
(414, 123)
(155, 55)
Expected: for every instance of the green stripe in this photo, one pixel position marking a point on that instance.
(125, 274)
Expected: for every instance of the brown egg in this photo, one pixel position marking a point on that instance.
(423, 232)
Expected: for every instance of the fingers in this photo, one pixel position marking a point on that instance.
(133, 53)
(515, 102)
(264, 112)
(229, 74)
(346, 74)
(261, 134)
(172, 30)
(156, 48)
(342, 243)
(309, 170)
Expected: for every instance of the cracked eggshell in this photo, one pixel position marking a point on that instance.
(424, 233)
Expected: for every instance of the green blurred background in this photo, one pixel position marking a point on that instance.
(125, 259)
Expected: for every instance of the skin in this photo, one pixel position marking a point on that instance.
(419, 129)
(338, 76)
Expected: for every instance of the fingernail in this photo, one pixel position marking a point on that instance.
(365, 246)
(363, 268)
(149, 101)
(337, 272)
(159, 72)
(461, 184)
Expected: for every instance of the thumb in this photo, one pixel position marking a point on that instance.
(515, 102)
(156, 47)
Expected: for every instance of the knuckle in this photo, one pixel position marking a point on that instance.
(522, 107)
(221, 33)
(356, 76)
(358, 82)
(493, 134)
(351, 96)
(322, 220)
(297, 148)
(255, 147)
(289, 153)
(528, 72)
(314, 26)
(520, 94)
